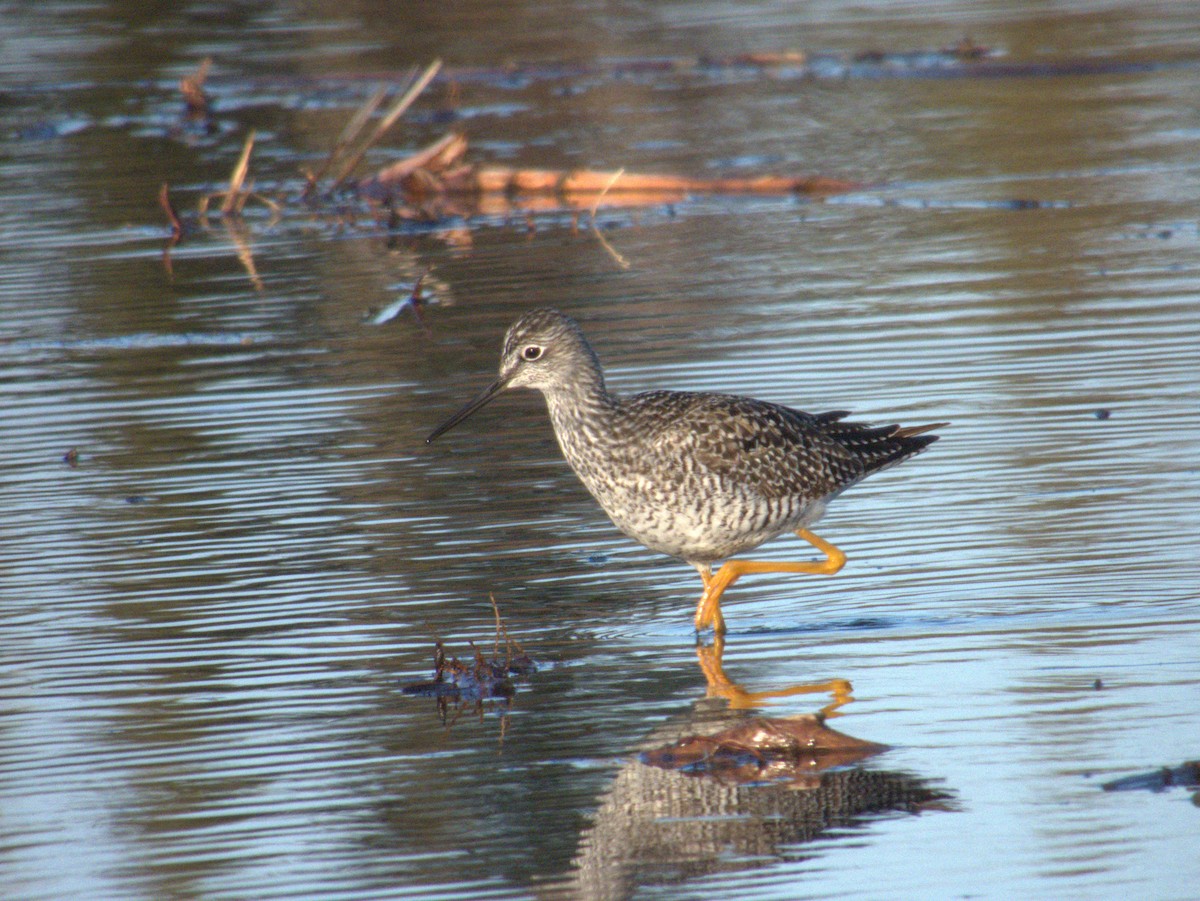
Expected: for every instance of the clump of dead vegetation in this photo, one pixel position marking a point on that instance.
(440, 181)
(438, 185)
(462, 685)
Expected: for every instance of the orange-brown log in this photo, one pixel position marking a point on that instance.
(489, 179)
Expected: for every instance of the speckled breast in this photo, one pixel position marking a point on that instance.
(682, 510)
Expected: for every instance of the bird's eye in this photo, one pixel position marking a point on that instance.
(532, 352)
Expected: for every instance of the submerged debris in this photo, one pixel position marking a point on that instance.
(481, 679)
(440, 188)
(476, 681)
(764, 749)
(415, 300)
(196, 102)
(1187, 775)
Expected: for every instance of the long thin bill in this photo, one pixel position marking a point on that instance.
(488, 393)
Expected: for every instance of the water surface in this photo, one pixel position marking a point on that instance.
(209, 614)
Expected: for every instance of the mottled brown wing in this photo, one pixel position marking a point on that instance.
(768, 448)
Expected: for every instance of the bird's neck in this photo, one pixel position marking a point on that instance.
(585, 396)
(580, 411)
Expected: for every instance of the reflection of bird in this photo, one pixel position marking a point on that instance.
(701, 798)
(698, 476)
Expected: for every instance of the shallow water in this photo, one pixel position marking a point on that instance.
(210, 614)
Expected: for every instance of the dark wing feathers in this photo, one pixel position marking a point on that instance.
(774, 449)
(878, 447)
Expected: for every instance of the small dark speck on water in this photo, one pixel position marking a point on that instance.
(71, 458)
(1103, 414)
(597, 559)
(135, 499)
(1098, 685)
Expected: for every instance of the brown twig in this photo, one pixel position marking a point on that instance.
(192, 88)
(499, 624)
(243, 197)
(164, 201)
(235, 228)
(607, 187)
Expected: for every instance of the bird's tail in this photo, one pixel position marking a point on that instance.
(879, 446)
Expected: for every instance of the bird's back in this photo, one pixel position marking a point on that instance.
(772, 450)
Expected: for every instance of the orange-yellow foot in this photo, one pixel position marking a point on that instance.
(708, 611)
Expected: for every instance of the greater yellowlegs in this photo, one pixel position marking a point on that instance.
(696, 475)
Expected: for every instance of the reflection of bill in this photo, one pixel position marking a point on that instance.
(722, 790)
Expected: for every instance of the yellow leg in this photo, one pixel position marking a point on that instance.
(708, 611)
(715, 618)
(721, 686)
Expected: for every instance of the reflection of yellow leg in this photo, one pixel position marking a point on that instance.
(721, 686)
(708, 611)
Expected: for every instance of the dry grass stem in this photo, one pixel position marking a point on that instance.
(621, 262)
(238, 177)
(349, 134)
(398, 109)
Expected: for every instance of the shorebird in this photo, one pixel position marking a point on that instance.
(696, 475)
